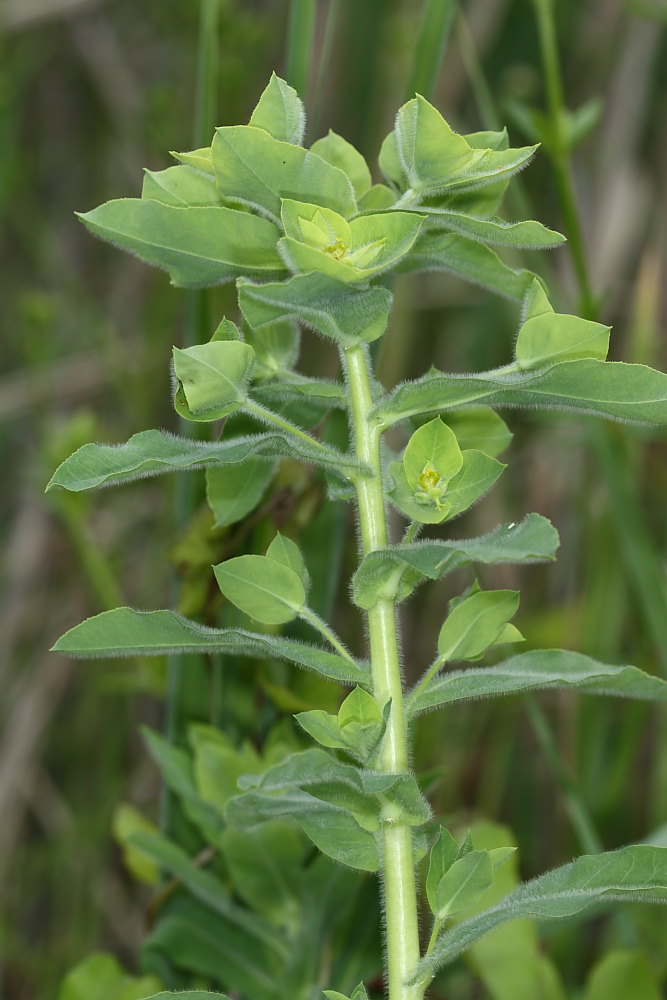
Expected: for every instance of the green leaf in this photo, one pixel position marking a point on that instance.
(253, 168)
(475, 624)
(638, 872)
(234, 491)
(463, 884)
(197, 246)
(125, 632)
(206, 945)
(126, 821)
(623, 974)
(436, 250)
(214, 376)
(265, 865)
(332, 829)
(324, 729)
(276, 349)
(268, 591)
(361, 723)
(101, 977)
(480, 429)
(206, 887)
(176, 768)
(152, 453)
(477, 476)
(395, 572)
(288, 553)
(182, 187)
(442, 857)
(509, 960)
(198, 159)
(342, 154)
(547, 336)
(601, 388)
(433, 446)
(280, 112)
(433, 158)
(331, 801)
(377, 199)
(332, 309)
(317, 239)
(535, 669)
(528, 235)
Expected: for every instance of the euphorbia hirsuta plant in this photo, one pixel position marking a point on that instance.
(312, 243)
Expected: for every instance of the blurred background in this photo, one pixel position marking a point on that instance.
(91, 91)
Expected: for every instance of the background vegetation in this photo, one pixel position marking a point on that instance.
(89, 93)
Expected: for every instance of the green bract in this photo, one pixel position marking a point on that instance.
(313, 244)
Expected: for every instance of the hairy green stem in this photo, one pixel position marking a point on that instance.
(397, 863)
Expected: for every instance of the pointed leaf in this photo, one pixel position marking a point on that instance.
(125, 632)
(214, 376)
(535, 669)
(442, 857)
(287, 552)
(475, 624)
(463, 884)
(234, 491)
(179, 186)
(397, 571)
(267, 590)
(602, 388)
(638, 873)
(530, 235)
(197, 246)
(151, 453)
(324, 729)
(480, 429)
(467, 259)
(332, 309)
(547, 336)
(253, 168)
(342, 154)
(433, 444)
(280, 112)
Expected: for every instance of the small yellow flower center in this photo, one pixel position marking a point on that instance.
(430, 486)
(429, 478)
(337, 249)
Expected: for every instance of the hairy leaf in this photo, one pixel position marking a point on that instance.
(253, 168)
(638, 873)
(267, 590)
(442, 251)
(125, 632)
(198, 246)
(535, 669)
(529, 234)
(346, 315)
(602, 388)
(340, 153)
(398, 570)
(280, 112)
(181, 186)
(151, 453)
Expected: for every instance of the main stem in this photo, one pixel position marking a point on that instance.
(397, 862)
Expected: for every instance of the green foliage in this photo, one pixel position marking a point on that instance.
(100, 977)
(631, 872)
(310, 241)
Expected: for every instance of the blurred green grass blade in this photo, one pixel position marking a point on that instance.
(206, 101)
(300, 34)
(433, 34)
